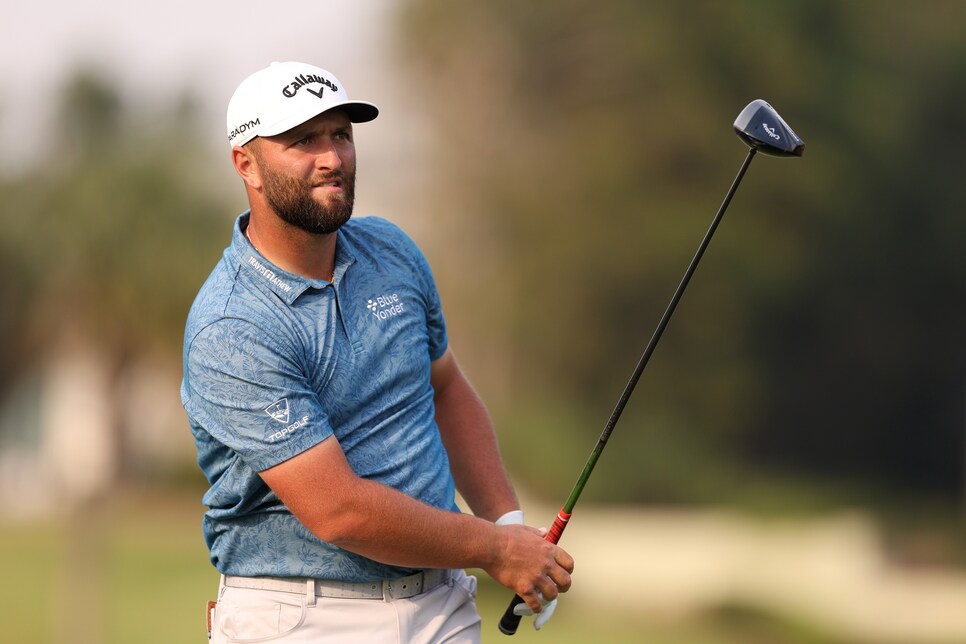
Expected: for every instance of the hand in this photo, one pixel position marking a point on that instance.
(523, 610)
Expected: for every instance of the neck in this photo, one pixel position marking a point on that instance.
(293, 249)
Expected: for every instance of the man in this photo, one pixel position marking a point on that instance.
(331, 417)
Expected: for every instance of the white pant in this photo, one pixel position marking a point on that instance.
(445, 614)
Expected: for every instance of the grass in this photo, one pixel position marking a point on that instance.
(30, 559)
(135, 568)
(129, 569)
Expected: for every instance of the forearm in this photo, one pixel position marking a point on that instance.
(386, 525)
(471, 443)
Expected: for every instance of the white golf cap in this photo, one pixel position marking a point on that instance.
(283, 95)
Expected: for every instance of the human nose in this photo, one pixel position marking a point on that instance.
(328, 157)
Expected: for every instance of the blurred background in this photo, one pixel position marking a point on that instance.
(791, 467)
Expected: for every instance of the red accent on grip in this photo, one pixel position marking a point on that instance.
(556, 530)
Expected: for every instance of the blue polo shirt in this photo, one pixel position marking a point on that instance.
(275, 363)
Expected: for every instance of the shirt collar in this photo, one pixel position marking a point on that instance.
(288, 286)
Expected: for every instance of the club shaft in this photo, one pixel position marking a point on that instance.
(510, 622)
(659, 331)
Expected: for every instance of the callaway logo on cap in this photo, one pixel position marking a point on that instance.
(283, 95)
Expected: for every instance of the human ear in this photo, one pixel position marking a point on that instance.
(246, 166)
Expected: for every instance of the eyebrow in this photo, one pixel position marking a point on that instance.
(301, 131)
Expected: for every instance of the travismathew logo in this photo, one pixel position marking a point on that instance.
(302, 80)
(385, 306)
(268, 274)
(279, 411)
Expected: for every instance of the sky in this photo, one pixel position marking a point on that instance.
(156, 50)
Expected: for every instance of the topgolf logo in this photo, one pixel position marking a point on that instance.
(279, 411)
(385, 306)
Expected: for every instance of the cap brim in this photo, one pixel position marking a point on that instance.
(357, 111)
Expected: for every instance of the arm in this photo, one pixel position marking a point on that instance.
(381, 523)
(467, 432)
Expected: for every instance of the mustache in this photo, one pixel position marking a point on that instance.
(337, 175)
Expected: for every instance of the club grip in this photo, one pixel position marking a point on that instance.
(559, 524)
(511, 621)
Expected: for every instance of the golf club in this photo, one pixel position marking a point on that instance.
(763, 130)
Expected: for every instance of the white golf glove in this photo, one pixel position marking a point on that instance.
(516, 517)
(548, 607)
(513, 517)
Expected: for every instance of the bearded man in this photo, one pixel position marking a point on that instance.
(331, 418)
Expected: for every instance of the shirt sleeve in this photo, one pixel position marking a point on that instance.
(435, 321)
(250, 392)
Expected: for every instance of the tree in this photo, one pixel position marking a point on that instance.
(110, 238)
(593, 144)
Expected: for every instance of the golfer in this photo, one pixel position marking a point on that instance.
(331, 418)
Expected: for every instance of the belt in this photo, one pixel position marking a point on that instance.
(400, 588)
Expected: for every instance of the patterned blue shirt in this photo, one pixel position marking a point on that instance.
(275, 363)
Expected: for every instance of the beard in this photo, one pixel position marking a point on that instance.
(292, 201)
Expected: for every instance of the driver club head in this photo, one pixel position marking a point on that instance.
(761, 128)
